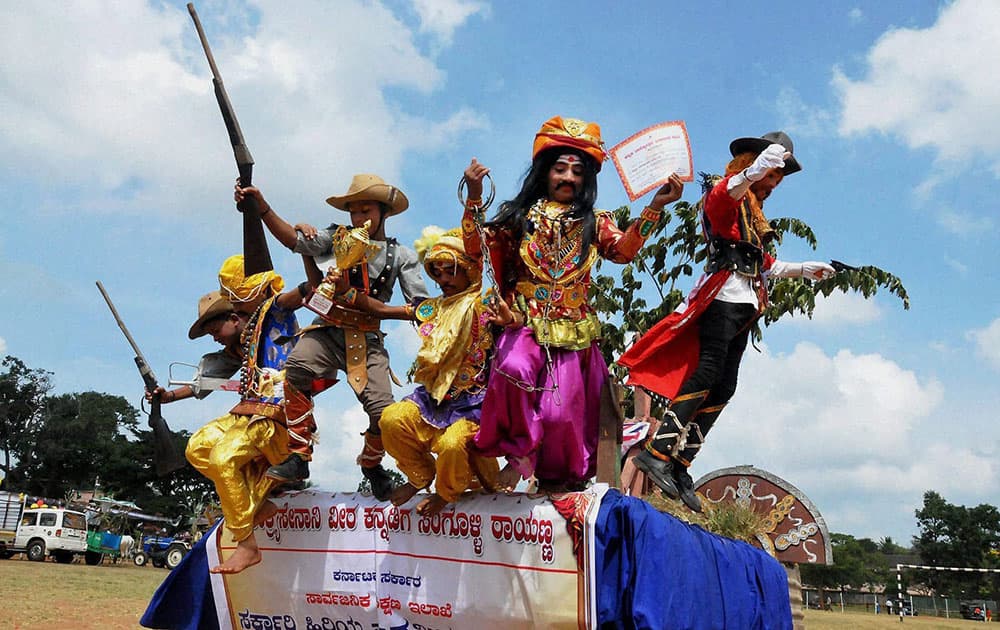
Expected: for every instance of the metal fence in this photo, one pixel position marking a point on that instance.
(878, 603)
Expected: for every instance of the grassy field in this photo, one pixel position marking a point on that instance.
(834, 620)
(37, 595)
(43, 595)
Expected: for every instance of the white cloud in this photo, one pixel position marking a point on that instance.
(964, 223)
(927, 86)
(987, 342)
(440, 18)
(956, 265)
(334, 465)
(855, 16)
(841, 309)
(120, 107)
(801, 118)
(848, 430)
(3, 346)
(820, 409)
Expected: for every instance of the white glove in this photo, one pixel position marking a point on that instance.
(771, 157)
(811, 270)
(817, 270)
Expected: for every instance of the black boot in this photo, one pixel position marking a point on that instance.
(660, 471)
(293, 469)
(699, 426)
(671, 437)
(686, 486)
(380, 481)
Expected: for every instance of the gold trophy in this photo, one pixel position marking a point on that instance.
(351, 247)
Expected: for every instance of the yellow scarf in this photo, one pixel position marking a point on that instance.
(447, 343)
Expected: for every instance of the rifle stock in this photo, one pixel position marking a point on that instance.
(165, 456)
(256, 257)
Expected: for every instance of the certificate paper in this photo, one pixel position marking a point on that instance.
(646, 159)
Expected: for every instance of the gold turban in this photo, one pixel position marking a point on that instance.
(238, 288)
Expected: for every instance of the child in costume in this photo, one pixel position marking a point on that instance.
(541, 408)
(346, 340)
(258, 328)
(442, 415)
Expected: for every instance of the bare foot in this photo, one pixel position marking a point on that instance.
(266, 510)
(246, 555)
(431, 505)
(403, 493)
(508, 479)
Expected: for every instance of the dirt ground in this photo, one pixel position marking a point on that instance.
(37, 595)
(44, 595)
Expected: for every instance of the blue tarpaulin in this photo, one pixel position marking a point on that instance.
(655, 571)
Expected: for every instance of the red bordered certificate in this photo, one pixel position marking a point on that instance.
(646, 159)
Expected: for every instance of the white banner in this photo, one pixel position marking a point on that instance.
(346, 561)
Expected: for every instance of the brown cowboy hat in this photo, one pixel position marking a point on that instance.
(210, 306)
(368, 187)
(756, 145)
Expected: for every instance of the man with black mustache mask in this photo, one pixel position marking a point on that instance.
(542, 401)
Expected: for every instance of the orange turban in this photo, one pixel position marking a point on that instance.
(570, 132)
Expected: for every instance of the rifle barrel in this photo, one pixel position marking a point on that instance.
(204, 41)
(121, 324)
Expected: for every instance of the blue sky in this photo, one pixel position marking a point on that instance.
(115, 166)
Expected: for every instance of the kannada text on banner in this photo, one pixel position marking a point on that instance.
(347, 561)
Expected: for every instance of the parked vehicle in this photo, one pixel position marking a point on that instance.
(40, 532)
(972, 610)
(100, 544)
(161, 551)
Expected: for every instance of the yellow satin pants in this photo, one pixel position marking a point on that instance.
(234, 452)
(411, 441)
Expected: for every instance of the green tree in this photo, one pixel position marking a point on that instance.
(958, 536)
(857, 563)
(79, 436)
(85, 439)
(648, 289)
(22, 402)
(887, 545)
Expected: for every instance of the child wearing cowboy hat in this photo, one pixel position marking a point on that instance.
(347, 339)
(256, 324)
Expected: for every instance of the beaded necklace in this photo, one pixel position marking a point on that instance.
(248, 339)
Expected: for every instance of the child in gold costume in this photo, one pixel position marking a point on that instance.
(442, 414)
(258, 330)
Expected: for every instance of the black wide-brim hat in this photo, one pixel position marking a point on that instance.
(756, 145)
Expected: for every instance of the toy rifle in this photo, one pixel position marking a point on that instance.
(839, 266)
(165, 455)
(256, 257)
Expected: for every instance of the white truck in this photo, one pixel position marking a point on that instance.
(40, 532)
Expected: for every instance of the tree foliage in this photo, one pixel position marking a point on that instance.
(648, 288)
(958, 536)
(22, 402)
(858, 562)
(56, 446)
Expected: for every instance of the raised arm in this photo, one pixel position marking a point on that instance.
(621, 247)
(281, 229)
